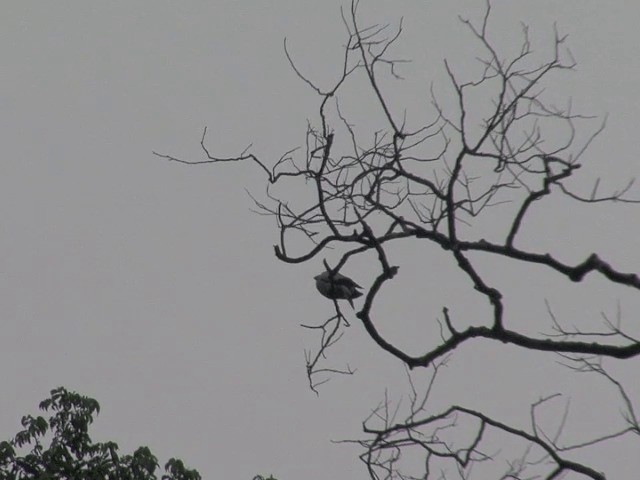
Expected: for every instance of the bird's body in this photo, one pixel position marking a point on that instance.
(337, 287)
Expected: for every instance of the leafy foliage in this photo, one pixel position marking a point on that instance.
(61, 447)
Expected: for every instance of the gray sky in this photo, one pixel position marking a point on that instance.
(152, 287)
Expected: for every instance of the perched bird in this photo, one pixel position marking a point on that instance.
(337, 287)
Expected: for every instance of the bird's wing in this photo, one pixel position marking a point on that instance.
(339, 279)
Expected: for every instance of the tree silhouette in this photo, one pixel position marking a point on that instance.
(61, 448)
(436, 183)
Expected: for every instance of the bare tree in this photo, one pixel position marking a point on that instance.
(435, 183)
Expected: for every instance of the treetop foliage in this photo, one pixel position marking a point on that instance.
(60, 447)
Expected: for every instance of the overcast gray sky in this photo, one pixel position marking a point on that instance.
(151, 286)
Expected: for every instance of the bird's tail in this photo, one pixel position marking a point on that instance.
(354, 294)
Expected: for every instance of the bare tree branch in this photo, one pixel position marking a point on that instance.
(434, 183)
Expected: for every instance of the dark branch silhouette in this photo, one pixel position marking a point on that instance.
(434, 183)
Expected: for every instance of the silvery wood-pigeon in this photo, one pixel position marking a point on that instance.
(337, 287)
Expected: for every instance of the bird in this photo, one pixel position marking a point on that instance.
(337, 287)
